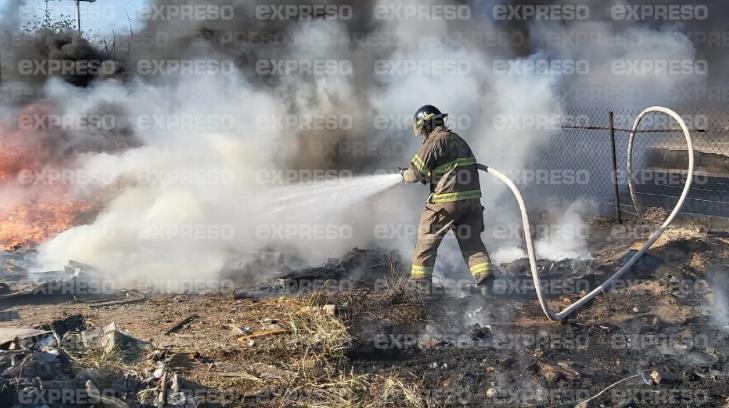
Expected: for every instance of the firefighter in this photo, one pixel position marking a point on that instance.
(446, 162)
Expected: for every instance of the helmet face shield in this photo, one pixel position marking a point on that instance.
(417, 129)
(423, 120)
(419, 125)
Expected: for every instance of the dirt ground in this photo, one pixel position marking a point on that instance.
(656, 334)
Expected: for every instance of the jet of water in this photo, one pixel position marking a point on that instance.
(316, 200)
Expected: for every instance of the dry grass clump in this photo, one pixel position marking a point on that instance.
(350, 390)
(314, 327)
(99, 358)
(290, 352)
(320, 376)
(397, 393)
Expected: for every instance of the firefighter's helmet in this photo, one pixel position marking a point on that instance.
(426, 119)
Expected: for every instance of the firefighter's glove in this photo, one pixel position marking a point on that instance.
(408, 175)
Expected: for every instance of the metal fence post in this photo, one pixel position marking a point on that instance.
(615, 168)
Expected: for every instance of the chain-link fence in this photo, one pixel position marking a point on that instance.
(589, 155)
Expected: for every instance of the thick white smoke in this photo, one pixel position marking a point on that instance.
(564, 238)
(139, 234)
(632, 62)
(182, 178)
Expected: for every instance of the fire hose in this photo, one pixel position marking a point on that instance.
(551, 315)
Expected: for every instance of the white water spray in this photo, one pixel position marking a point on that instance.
(320, 199)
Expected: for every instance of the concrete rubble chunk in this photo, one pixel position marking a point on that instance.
(110, 339)
(114, 339)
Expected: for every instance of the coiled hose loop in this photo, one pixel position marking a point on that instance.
(551, 315)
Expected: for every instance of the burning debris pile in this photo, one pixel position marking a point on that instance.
(36, 209)
(45, 189)
(359, 268)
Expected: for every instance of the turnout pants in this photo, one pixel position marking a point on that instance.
(465, 219)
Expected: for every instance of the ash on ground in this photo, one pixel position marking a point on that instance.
(657, 338)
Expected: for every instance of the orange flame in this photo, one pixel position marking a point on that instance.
(36, 211)
(33, 221)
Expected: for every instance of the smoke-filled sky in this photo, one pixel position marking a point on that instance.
(180, 134)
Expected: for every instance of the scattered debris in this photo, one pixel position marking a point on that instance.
(97, 397)
(179, 325)
(12, 338)
(76, 281)
(245, 339)
(239, 330)
(583, 404)
(32, 362)
(71, 323)
(130, 297)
